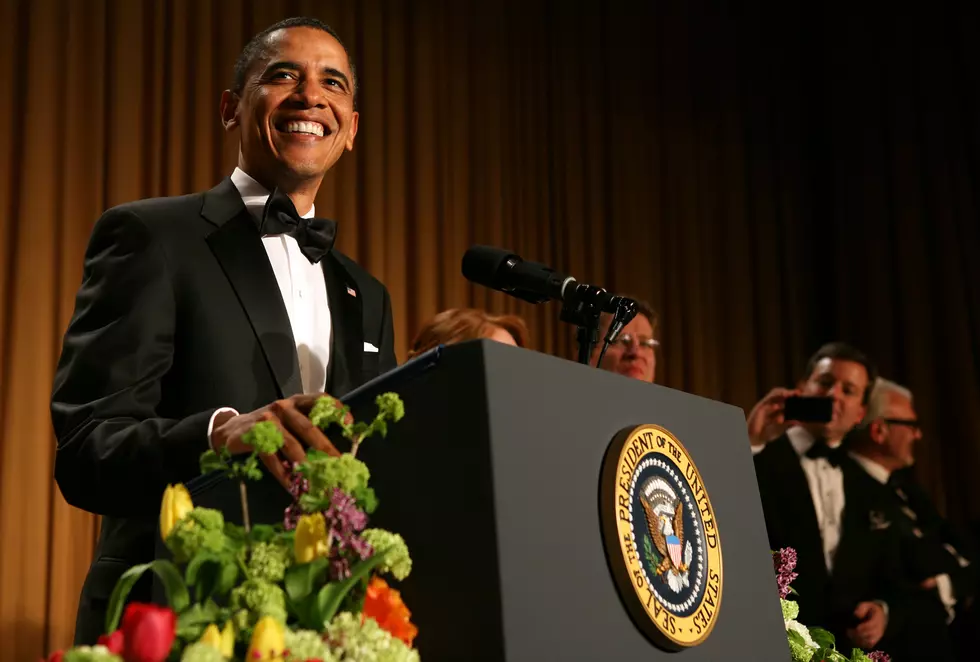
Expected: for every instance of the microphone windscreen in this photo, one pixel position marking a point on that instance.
(481, 264)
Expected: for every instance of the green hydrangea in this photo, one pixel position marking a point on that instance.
(325, 472)
(306, 645)
(390, 406)
(327, 410)
(202, 528)
(90, 654)
(269, 561)
(351, 640)
(800, 652)
(264, 437)
(397, 560)
(260, 598)
(857, 655)
(201, 652)
(790, 609)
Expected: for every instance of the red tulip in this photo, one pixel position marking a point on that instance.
(56, 656)
(148, 632)
(114, 642)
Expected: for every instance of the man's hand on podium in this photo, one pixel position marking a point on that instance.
(766, 422)
(291, 416)
(871, 627)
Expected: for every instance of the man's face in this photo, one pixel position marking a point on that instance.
(845, 382)
(296, 109)
(632, 354)
(896, 437)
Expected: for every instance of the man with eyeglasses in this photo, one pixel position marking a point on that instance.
(934, 554)
(634, 352)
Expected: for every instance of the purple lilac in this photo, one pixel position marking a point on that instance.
(784, 562)
(880, 656)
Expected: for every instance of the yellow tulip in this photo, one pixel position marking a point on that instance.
(310, 541)
(268, 641)
(176, 504)
(211, 637)
(228, 640)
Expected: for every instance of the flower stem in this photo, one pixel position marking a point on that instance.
(244, 495)
(354, 445)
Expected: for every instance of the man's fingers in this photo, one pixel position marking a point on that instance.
(275, 467)
(861, 611)
(304, 430)
(291, 449)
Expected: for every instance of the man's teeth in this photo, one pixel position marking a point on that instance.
(314, 128)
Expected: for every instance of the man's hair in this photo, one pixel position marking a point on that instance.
(879, 399)
(256, 46)
(645, 309)
(460, 324)
(841, 351)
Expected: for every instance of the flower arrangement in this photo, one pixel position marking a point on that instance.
(809, 644)
(307, 590)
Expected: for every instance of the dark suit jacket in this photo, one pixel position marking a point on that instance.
(179, 313)
(922, 532)
(865, 566)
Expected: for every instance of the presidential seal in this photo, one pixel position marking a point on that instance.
(661, 537)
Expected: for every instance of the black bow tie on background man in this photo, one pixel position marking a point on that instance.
(315, 236)
(821, 449)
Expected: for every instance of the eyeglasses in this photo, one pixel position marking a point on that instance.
(627, 340)
(910, 422)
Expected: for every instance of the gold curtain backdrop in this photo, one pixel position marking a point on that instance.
(768, 180)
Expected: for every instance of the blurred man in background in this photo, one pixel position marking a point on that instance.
(845, 549)
(634, 353)
(935, 556)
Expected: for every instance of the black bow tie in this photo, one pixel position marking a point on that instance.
(821, 449)
(315, 236)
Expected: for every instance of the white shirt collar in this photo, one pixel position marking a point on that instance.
(254, 195)
(875, 470)
(802, 440)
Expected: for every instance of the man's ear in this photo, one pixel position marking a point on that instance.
(876, 431)
(229, 110)
(353, 131)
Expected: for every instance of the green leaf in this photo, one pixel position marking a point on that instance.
(332, 595)
(263, 532)
(211, 462)
(822, 638)
(381, 427)
(227, 576)
(169, 575)
(191, 623)
(359, 429)
(366, 499)
(795, 637)
(197, 564)
(300, 580)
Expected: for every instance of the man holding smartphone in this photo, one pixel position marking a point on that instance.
(846, 559)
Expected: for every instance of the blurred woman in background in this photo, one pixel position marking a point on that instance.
(460, 324)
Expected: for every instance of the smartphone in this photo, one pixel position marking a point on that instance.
(809, 409)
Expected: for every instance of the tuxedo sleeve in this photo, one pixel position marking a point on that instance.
(387, 361)
(115, 453)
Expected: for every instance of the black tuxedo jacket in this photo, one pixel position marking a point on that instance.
(179, 313)
(922, 534)
(866, 566)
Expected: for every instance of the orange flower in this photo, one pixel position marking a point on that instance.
(385, 605)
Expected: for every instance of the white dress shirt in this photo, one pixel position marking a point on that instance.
(303, 289)
(943, 582)
(826, 484)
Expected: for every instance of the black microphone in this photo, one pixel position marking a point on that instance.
(507, 272)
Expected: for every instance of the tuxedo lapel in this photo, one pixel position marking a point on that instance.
(797, 505)
(347, 351)
(237, 245)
